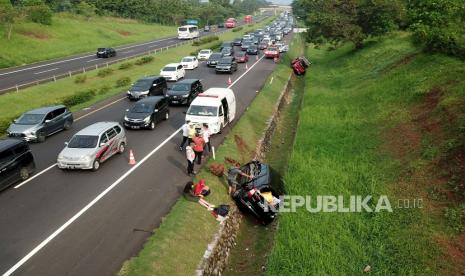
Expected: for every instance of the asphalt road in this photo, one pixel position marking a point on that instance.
(32, 73)
(82, 222)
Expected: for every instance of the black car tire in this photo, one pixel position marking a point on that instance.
(121, 148)
(24, 173)
(67, 125)
(40, 137)
(152, 125)
(95, 165)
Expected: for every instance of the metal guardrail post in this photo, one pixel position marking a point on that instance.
(54, 78)
(17, 89)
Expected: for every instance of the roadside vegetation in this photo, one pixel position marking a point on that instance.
(383, 120)
(179, 243)
(90, 88)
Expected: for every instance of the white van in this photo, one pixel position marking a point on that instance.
(216, 107)
(188, 32)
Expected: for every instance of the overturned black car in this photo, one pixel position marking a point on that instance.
(256, 195)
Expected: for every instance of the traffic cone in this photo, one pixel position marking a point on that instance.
(229, 81)
(132, 160)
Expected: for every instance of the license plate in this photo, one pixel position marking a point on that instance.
(135, 127)
(175, 101)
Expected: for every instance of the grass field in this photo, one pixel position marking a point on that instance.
(176, 248)
(71, 34)
(15, 104)
(362, 131)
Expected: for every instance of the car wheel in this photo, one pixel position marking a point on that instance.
(121, 148)
(96, 165)
(67, 125)
(24, 174)
(167, 115)
(41, 137)
(152, 125)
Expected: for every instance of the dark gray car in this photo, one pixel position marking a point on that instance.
(37, 124)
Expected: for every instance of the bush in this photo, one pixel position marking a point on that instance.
(205, 40)
(125, 65)
(78, 98)
(5, 123)
(80, 79)
(41, 14)
(144, 60)
(237, 29)
(104, 89)
(125, 81)
(105, 72)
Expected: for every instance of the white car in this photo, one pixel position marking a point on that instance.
(204, 54)
(190, 62)
(173, 72)
(282, 47)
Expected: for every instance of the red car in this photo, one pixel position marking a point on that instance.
(242, 57)
(299, 65)
(262, 45)
(272, 52)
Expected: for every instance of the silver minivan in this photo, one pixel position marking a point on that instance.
(93, 145)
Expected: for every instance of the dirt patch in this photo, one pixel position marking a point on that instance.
(403, 61)
(403, 141)
(455, 249)
(35, 35)
(124, 33)
(244, 150)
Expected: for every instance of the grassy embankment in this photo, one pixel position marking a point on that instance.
(72, 34)
(179, 243)
(384, 120)
(102, 87)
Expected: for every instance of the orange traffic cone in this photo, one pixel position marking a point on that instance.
(132, 160)
(229, 81)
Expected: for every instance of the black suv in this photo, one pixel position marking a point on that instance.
(37, 124)
(106, 52)
(147, 113)
(252, 50)
(148, 86)
(227, 51)
(226, 64)
(213, 59)
(183, 92)
(227, 44)
(16, 162)
(237, 41)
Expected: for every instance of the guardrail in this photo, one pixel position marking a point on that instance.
(68, 74)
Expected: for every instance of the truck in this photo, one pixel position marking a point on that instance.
(248, 19)
(215, 107)
(230, 23)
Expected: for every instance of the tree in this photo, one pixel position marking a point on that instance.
(85, 9)
(9, 15)
(37, 11)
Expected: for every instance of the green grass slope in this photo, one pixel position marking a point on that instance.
(71, 34)
(359, 134)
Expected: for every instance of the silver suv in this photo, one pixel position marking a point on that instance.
(39, 123)
(93, 145)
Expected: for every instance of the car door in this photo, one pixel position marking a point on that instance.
(7, 168)
(59, 118)
(48, 124)
(112, 141)
(156, 112)
(196, 62)
(154, 89)
(103, 149)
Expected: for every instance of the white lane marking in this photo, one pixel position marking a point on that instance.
(45, 71)
(98, 109)
(92, 60)
(155, 45)
(34, 176)
(102, 194)
(126, 52)
(87, 207)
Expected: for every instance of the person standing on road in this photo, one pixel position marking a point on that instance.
(206, 138)
(199, 144)
(191, 133)
(190, 155)
(233, 172)
(185, 134)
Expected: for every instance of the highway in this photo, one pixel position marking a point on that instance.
(82, 222)
(46, 70)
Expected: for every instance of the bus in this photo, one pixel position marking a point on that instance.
(188, 32)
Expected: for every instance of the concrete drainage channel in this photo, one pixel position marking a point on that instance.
(216, 256)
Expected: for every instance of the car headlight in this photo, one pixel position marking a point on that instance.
(144, 92)
(185, 96)
(126, 118)
(84, 159)
(147, 119)
(129, 92)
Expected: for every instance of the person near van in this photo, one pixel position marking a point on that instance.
(191, 133)
(233, 172)
(190, 156)
(185, 135)
(199, 144)
(206, 137)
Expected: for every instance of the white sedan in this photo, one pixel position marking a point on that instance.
(282, 47)
(173, 72)
(204, 54)
(190, 62)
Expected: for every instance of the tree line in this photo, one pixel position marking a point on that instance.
(167, 12)
(436, 25)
